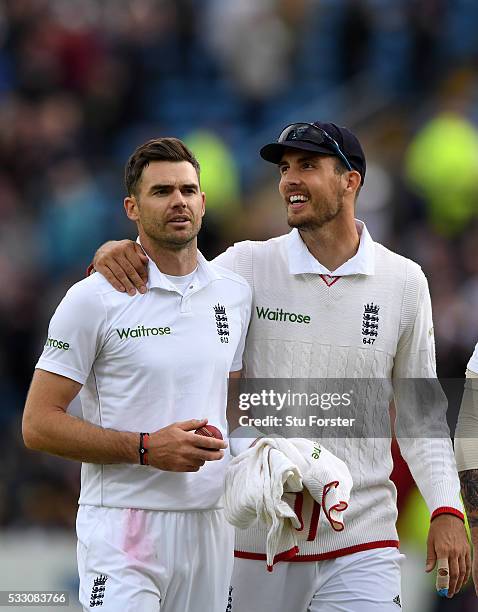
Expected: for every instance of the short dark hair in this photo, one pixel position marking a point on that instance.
(340, 169)
(156, 149)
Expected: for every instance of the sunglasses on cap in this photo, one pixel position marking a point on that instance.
(308, 132)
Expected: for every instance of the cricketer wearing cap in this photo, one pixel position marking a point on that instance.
(329, 269)
(150, 369)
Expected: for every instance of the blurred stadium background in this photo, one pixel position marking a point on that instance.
(82, 82)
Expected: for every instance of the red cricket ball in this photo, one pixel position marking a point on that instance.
(209, 431)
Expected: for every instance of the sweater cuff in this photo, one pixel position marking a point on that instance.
(447, 510)
(443, 494)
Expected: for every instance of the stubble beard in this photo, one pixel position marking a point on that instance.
(323, 213)
(173, 241)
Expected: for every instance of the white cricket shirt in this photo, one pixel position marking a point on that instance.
(148, 361)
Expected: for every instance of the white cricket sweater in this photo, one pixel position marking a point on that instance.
(284, 275)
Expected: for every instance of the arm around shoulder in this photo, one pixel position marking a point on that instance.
(124, 265)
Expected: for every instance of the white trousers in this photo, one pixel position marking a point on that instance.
(366, 581)
(141, 560)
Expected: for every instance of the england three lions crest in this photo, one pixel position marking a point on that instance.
(98, 591)
(370, 322)
(222, 325)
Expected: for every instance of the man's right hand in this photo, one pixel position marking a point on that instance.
(176, 448)
(123, 264)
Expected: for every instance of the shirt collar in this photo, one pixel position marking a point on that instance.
(156, 279)
(301, 261)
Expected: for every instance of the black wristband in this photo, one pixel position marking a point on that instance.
(143, 448)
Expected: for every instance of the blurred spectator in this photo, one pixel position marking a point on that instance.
(253, 43)
(74, 217)
(442, 165)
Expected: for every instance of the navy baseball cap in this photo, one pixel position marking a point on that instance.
(318, 137)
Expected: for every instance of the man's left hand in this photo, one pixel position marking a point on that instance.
(447, 540)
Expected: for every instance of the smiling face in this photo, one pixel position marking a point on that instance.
(312, 188)
(169, 205)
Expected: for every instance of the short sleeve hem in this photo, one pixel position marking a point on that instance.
(61, 369)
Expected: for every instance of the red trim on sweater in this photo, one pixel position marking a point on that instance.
(340, 507)
(287, 555)
(341, 552)
(447, 510)
(314, 522)
(326, 278)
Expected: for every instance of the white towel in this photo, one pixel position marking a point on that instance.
(284, 484)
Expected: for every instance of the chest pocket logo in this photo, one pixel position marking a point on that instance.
(370, 323)
(222, 325)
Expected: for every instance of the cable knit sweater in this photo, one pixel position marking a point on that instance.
(335, 341)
